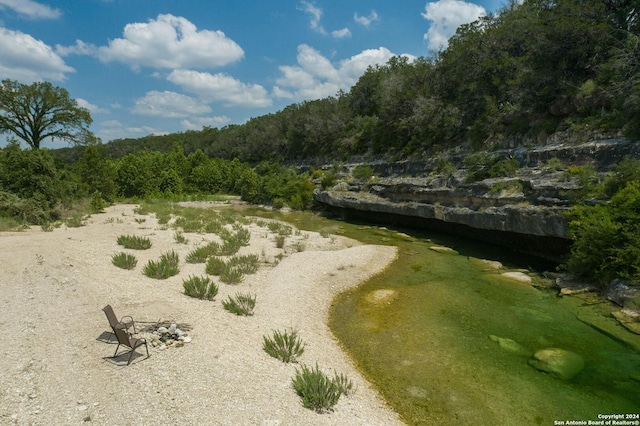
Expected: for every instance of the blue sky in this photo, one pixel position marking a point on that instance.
(161, 66)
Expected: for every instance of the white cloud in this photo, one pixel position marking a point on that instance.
(93, 109)
(26, 59)
(171, 42)
(343, 33)
(446, 16)
(198, 123)
(221, 87)
(315, 13)
(80, 48)
(316, 77)
(30, 9)
(366, 20)
(169, 105)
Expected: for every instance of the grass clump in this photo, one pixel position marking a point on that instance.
(247, 264)
(164, 268)
(200, 287)
(286, 347)
(215, 266)
(124, 260)
(231, 275)
(318, 391)
(240, 304)
(201, 254)
(134, 242)
(280, 239)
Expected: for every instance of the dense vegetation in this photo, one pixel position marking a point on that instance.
(533, 69)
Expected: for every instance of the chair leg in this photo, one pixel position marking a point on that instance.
(117, 347)
(130, 356)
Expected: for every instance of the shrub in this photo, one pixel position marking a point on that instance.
(124, 260)
(243, 236)
(97, 204)
(134, 242)
(317, 390)
(240, 304)
(180, 238)
(231, 275)
(215, 266)
(166, 267)
(247, 264)
(75, 221)
(230, 247)
(286, 347)
(362, 172)
(280, 239)
(200, 287)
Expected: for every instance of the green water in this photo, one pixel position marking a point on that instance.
(427, 349)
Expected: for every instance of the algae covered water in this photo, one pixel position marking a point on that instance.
(447, 339)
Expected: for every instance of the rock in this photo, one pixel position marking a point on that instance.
(518, 276)
(442, 249)
(162, 330)
(187, 339)
(490, 264)
(179, 332)
(628, 320)
(560, 363)
(172, 328)
(624, 295)
(510, 345)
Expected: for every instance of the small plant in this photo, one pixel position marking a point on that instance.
(240, 304)
(247, 264)
(166, 267)
(344, 384)
(75, 221)
(318, 391)
(180, 238)
(231, 275)
(140, 220)
(200, 287)
(215, 266)
(280, 239)
(243, 236)
(124, 260)
(47, 227)
(286, 347)
(134, 242)
(97, 204)
(299, 247)
(362, 172)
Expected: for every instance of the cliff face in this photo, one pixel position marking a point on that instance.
(526, 213)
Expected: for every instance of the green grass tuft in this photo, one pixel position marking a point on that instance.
(286, 347)
(200, 287)
(124, 260)
(318, 391)
(240, 304)
(134, 242)
(164, 268)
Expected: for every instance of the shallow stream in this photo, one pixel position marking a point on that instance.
(446, 338)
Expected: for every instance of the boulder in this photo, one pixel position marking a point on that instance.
(560, 363)
(510, 345)
(517, 276)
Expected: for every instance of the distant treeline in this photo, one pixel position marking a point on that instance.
(530, 70)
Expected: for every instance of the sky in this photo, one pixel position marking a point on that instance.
(146, 67)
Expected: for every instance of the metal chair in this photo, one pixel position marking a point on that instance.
(126, 340)
(126, 322)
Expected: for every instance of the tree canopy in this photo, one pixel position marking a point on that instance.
(39, 111)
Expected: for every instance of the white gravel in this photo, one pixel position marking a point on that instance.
(56, 365)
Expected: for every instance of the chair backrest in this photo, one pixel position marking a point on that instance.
(122, 336)
(111, 316)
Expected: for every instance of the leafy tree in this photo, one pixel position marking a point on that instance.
(39, 111)
(96, 172)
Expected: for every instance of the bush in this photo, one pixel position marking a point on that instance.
(201, 254)
(280, 239)
(200, 287)
(317, 390)
(362, 172)
(240, 304)
(215, 266)
(606, 242)
(166, 267)
(286, 347)
(124, 260)
(134, 242)
(231, 275)
(247, 264)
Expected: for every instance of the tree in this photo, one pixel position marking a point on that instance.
(39, 111)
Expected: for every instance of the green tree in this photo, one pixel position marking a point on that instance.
(96, 172)
(39, 111)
